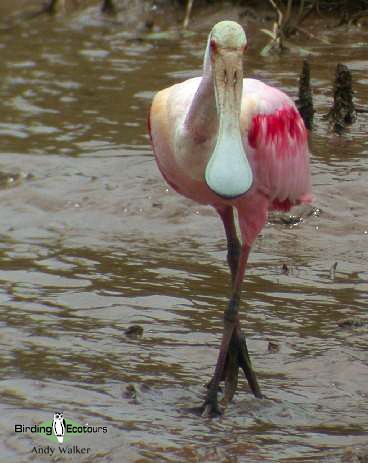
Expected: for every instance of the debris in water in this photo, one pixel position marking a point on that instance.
(351, 322)
(285, 269)
(315, 212)
(8, 179)
(333, 271)
(130, 392)
(355, 455)
(273, 347)
(134, 331)
(291, 220)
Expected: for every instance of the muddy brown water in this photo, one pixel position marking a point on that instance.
(92, 241)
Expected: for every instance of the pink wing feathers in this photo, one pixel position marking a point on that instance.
(281, 154)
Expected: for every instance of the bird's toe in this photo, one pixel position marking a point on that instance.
(211, 410)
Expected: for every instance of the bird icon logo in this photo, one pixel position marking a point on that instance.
(58, 426)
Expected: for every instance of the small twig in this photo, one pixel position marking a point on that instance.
(278, 11)
(188, 11)
(333, 271)
(287, 14)
(311, 36)
(278, 27)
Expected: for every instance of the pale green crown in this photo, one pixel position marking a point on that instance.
(229, 34)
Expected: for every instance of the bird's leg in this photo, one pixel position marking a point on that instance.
(238, 343)
(210, 406)
(227, 365)
(238, 346)
(230, 374)
(233, 351)
(233, 243)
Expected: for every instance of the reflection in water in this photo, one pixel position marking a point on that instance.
(92, 241)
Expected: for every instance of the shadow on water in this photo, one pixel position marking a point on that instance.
(92, 242)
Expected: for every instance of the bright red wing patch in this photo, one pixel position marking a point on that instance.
(281, 128)
(279, 140)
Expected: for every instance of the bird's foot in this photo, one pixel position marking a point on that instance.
(238, 357)
(246, 365)
(210, 409)
(231, 372)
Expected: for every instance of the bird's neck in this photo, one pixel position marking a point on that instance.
(202, 120)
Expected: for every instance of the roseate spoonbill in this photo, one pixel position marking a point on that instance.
(232, 143)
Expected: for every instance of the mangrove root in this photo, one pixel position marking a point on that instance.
(343, 111)
(305, 100)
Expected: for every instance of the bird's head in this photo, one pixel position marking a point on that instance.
(228, 172)
(228, 35)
